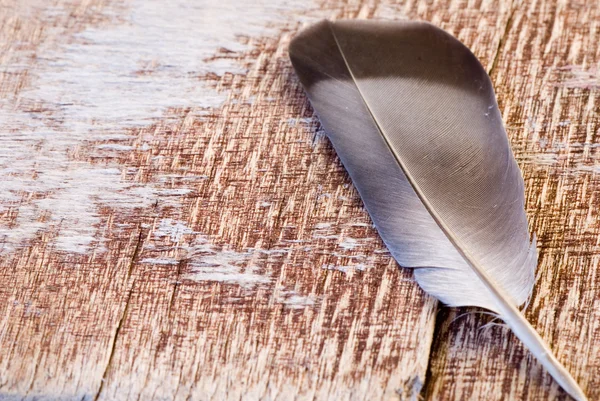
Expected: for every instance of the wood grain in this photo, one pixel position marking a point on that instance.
(174, 225)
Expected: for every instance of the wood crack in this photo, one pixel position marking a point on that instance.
(136, 251)
(501, 42)
(438, 333)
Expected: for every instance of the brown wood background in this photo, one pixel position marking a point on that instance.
(174, 225)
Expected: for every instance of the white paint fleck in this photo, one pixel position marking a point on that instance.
(174, 191)
(209, 263)
(292, 299)
(323, 196)
(345, 268)
(296, 301)
(593, 168)
(206, 261)
(302, 120)
(160, 261)
(176, 177)
(319, 236)
(541, 159)
(360, 225)
(281, 251)
(531, 124)
(349, 243)
(172, 229)
(581, 78)
(114, 146)
(228, 275)
(342, 255)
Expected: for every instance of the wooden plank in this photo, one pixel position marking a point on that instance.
(214, 251)
(174, 226)
(548, 88)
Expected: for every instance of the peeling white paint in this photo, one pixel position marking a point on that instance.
(94, 88)
(72, 191)
(130, 73)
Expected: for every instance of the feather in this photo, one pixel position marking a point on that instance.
(413, 117)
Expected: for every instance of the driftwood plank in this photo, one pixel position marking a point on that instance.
(173, 225)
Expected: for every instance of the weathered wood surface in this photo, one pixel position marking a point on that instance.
(173, 225)
(548, 87)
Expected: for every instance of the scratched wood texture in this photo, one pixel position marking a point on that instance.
(175, 226)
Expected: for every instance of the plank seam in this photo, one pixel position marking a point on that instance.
(136, 252)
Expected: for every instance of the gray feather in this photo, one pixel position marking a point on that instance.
(413, 116)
